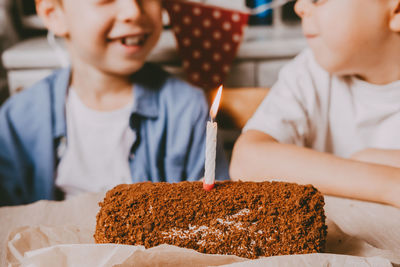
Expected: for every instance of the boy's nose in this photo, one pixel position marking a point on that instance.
(129, 10)
(302, 8)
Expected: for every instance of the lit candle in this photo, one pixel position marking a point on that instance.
(211, 144)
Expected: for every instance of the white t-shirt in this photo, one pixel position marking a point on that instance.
(97, 153)
(339, 115)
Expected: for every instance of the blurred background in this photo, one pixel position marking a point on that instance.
(272, 38)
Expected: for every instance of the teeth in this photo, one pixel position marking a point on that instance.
(130, 41)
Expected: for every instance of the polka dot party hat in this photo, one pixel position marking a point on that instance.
(208, 38)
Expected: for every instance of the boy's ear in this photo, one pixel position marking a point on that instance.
(395, 19)
(52, 15)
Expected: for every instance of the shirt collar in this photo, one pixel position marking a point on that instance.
(145, 94)
(59, 92)
(148, 82)
(145, 101)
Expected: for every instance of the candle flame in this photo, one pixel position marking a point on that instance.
(215, 104)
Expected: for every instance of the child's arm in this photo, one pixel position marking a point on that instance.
(257, 157)
(387, 157)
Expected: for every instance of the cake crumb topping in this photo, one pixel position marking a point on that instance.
(246, 219)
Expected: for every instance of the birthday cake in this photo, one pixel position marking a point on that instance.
(246, 219)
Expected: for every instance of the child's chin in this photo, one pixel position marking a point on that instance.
(331, 65)
(126, 69)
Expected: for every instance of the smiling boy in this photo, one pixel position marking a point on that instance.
(333, 117)
(109, 118)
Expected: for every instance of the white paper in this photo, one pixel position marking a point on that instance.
(51, 233)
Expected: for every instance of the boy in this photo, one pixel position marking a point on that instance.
(333, 117)
(107, 120)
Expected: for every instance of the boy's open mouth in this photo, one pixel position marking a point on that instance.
(138, 40)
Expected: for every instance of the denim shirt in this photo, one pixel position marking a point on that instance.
(168, 117)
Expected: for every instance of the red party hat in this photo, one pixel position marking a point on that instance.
(208, 38)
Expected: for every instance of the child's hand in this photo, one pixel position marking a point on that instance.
(387, 157)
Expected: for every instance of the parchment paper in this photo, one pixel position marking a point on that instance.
(49, 233)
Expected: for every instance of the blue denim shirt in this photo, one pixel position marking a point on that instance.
(168, 116)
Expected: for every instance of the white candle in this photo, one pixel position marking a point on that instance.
(211, 148)
(211, 144)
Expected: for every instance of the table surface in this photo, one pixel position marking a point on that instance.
(354, 227)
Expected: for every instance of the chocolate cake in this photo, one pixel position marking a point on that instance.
(246, 219)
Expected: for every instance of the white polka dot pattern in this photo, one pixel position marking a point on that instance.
(197, 32)
(208, 38)
(207, 44)
(186, 42)
(207, 23)
(197, 11)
